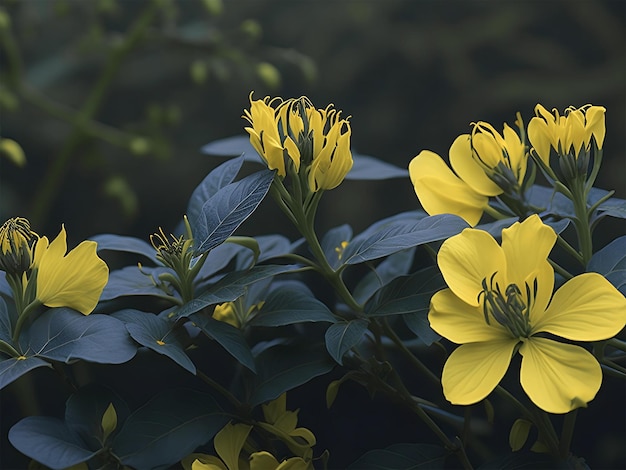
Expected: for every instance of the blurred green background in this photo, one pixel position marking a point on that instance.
(111, 101)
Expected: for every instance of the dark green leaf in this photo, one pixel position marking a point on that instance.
(49, 441)
(232, 286)
(6, 329)
(397, 264)
(610, 261)
(167, 428)
(331, 244)
(400, 235)
(62, 334)
(133, 281)
(402, 457)
(108, 241)
(148, 330)
(271, 246)
(218, 178)
(13, 368)
(364, 168)
(614, 207)
(285, 367)
(229, 337)
(228, 208)
(291, 304)
(342, 336)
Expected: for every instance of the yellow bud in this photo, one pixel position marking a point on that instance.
(13, 151)
(519, 434)
(268, 74)
(109, 421)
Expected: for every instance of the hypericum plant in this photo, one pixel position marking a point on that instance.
(489, 286)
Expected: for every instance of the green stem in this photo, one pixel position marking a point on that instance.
(617, 343)
(567, 433)
(568, 248)
(562, 271)
(55, 175)
(229, 396)
(581, 221)
(30, 308)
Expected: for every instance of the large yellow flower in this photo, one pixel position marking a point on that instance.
(568, 134)
(74, 280)
(500, 301)
(293, 130)
(485, 164)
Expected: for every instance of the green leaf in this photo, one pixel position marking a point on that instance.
(229, 337)
(402, 457)
(409, 296)
(84, 411)
(133, 281)
(344, 335)
(49, 441)
(397, 264)
(519, 434)
(228, 208)
(218, 178)
(167, 428)
(291, 303)
(62, 334)
(272, 246)
(231, 287)
(159, 335)
(364, 167)
(610, 261)
(332, 244)
(6, 328)
(13, 368)
(614, 207)
(285, 367)
(399, 235)
(108, 241)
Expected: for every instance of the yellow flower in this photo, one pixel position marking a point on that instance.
(485, 164)
(318, 140)
(226, 312)
(568, 134)
(16, 246)
(500, 301)
(74, 280)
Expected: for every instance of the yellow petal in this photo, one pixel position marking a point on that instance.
(473, 370)
(462, 323)
(469, 169)
(210, 462)
(275, 408)
(263, 461)
(585, 308)
(516, 150)
(294, 463)
(441, 192)
(558, 377)
(229, 441)
(466, 259)
(541, 133)
(75, 280)
(595, 124)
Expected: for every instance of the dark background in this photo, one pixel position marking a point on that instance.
(412, 74)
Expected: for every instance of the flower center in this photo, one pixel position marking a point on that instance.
(512, 308)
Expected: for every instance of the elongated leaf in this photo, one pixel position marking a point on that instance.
(229, 337)
(342, 336)
(218, 178)
(285, 367)
(159, 335)
(227, 209)
(402, 457)
(6, 330)
(364, 168)
(13, 368)
(62, 334)
(109, 241)
(614, 207)
(133, 281)
(332, 244)
(5, 289)
(557, 204)
(167, 428)
(49, 441)
(85, 409)
(288, 305)
(271, 246)
(610, 261)
(400, 235)
(232, 286)
(397, 264)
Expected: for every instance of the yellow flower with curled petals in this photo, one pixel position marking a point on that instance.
(499, 300)
(572, 132)
(484, 164)
(75, 279)
(16, 246)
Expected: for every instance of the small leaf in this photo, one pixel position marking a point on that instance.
(167, 428)
(342, 336)
(109, 421)
(285, 367)
(62, 334)
(159, 335)
(292, 304)
(229, 337)
(108, 241)
(131, 280)
(331, 392)
(49, 441)
(399, 235)
(519, 434)
(13, 368)
(228, 208)
(402, 457)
